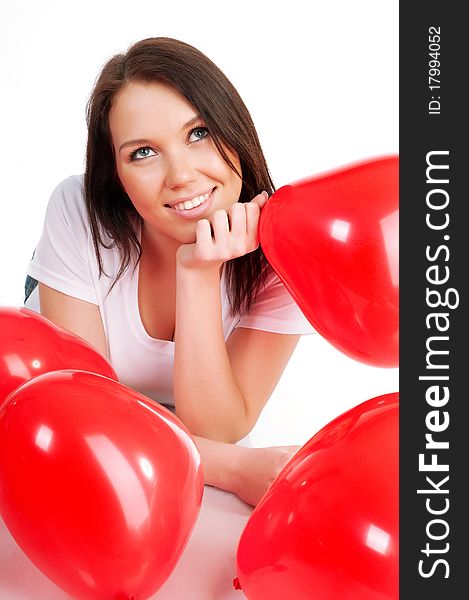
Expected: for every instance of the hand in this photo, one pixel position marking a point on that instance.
(235, 233)
(258, 468)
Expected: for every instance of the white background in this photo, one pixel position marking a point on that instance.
(320, 79)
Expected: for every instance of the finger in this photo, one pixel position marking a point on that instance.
(261, 199)
(253, 212)
(220, 226)
(203, 233)
(238, 221)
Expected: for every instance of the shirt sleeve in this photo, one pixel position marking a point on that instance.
(62, 259)
(275, 310)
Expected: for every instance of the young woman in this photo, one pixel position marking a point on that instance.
(153, 255)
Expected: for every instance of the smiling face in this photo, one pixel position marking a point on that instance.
(167, 162)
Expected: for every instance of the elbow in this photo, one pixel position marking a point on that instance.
(227, 432)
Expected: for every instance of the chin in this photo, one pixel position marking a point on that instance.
(186, 237)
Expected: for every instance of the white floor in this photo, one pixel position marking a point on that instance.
(205, 570)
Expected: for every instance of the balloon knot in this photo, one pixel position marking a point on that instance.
(236, 584)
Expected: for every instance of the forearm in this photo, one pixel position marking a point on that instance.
(207, 397)
(221, 463)
(246, 472)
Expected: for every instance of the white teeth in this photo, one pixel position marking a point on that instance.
(188, 204)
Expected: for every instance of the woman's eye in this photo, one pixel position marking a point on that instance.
(141, 153)
(199, 133)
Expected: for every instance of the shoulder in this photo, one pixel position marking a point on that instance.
(68, 194)
(72, 183)
(275, 310)
(272, 279)
(63, 258)
(66, 214)
(272, 287)
(71, 186)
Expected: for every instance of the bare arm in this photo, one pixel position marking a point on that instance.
(77, 316)
(221, 388)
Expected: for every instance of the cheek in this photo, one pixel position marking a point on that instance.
(211, 162)
(236, 186)
(139, 183)
(235, 183)
(232, 180)
(125, 178)
(224, 174)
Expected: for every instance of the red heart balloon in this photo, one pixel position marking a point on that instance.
(333, 240)
(31, 345)
(100, 485)
(328, 527)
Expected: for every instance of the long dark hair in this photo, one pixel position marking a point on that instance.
(198, 79)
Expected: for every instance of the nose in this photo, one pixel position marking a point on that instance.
(180, 170)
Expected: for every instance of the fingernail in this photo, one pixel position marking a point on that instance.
(265, 194)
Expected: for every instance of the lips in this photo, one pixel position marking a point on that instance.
(192, 207)
(188, 204)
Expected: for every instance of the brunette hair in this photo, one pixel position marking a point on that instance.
(202, 83)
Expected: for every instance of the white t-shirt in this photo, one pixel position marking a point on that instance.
(65, 260)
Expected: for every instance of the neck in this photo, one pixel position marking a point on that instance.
(160, 248)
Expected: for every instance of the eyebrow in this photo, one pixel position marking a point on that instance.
(146, 141)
